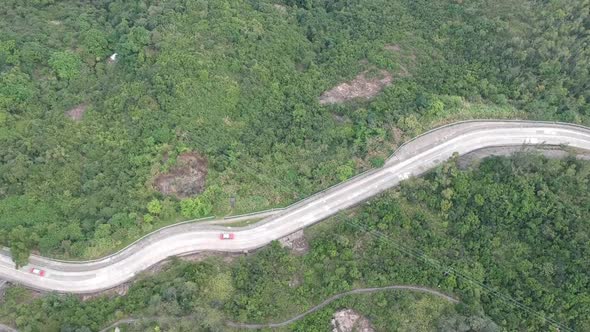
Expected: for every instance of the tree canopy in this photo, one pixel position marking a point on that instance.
(509, 231)
(238, 82)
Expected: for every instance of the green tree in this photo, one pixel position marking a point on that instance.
(21, 241)
(16, 90)
(94, 42)
(196, 207)
(344, 172)
(66, 64)
(9, 55)
(154, 207)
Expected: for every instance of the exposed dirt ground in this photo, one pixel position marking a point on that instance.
(363, 86)
(185, 179)
(296, 280)
(281, 8)
(296, 242)
(393, 48)
(348, 320)
(397, 135)
(371, 81)
(77, 113)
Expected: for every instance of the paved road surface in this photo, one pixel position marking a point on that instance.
(6, 328)
(414, 158)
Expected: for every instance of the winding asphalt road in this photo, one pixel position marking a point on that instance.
(413, 158)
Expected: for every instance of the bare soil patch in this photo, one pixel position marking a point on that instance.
(77, 113)
(364, 86)
(403, 71)
(280, 8)
(397, 134)
(348, 320)
(185, 179)
(296, 242)
(296, 280)
(361, 242)
(393, 48)
(340, 118)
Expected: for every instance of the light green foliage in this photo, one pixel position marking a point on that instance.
(24, 221)
(8, 53)
(94, 42)
(528, 242)
(66, 64)
(201, 205)
(20, 242)
(344, 172)
(148, 218)
(154, 207)
(15, 90)
(219, 288)
(238, 82)
(436, 108)
(101, 241)
(195, 207)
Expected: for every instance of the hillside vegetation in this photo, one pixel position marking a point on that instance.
(509, 230)
(236, 84)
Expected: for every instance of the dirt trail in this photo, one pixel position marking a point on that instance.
(338, 296)
(298, 317)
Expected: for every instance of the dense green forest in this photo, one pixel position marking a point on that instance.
(508, 228)
(237, 83)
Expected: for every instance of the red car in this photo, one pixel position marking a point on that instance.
(38, 272)
(226, 236)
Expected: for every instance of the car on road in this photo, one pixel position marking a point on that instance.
(37, 271)
(226, 236)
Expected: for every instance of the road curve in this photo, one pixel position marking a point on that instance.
(411, 159)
